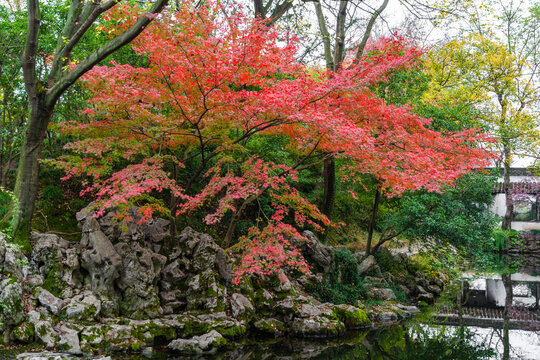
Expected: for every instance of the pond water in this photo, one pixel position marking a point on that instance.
(408, 341)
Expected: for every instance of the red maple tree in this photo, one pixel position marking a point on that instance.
(214, 83)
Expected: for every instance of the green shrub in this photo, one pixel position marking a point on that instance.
(343, 283)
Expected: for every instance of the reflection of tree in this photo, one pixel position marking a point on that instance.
(507, 281)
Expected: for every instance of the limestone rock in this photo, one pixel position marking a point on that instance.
(315, 251)
(45, 333)
(46, 355)
(270, 326)
(367, 265)
(409, 310)
(100, 259)
(241, 306)
(83, 307)
(206, 293)
(51, 302)
(24, 332)
(138, 280)
(381, 294)
(68, 340)
(11, 298)
(207, 343)
(318, 326)
(57, 262)
(351, 316)
(426, 297)
(387, 316)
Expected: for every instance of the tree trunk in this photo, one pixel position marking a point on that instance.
(329, 175)
(507, 281)
(373, 219)
(26, 185)
(507, 220)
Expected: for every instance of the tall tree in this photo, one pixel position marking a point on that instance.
(44, 90)
(212, 86)
(500, 83)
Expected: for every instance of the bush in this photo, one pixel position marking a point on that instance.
(343, 283)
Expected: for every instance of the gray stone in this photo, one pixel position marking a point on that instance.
(381, 294)
(409, 310)
(32, 282)
(83, 307)
(68, 340)
(138, 280)
(270, 326)
(318, 326)
(434, 289)
(426, 297)
(206, 293)
(11, 298)
(103, 264)
(45, 333)
(205, 253)
(367, 265)
(45, 355)
(241, 306)
(387, 316)
(207, 343)
(315, 251)
(15, 263)
(308, 310)
(51, 302)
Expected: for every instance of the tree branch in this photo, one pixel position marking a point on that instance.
(369, 27)
(127, 36)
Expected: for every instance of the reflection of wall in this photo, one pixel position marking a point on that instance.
(495, 292)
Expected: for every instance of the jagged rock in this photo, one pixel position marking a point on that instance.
(45, 333)
(138, 281)
(31, 282)
(426, 297)
(387, 316)
(46, 355)
(318, 326)
(264, 300)
(408, 310)
(284, 285)
(51, 302)
(381, 294)
(367, 265)
(11, 298)
(68, 340)
(83, 307)
(270, 326)
(100, 259)
(351, 316)
(205, 254)
(206, 293)
(241, 306)
(14, 263)
(207, 343)
(315, 251)
(307, 311)
(57, 262)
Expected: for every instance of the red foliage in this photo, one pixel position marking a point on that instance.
(211, 83)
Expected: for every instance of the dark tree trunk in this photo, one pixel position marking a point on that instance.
(373, 219)
(26, 185)
(329, 175)
(507, 281)
(507, 220)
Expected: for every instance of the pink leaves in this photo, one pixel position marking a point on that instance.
(266, 251)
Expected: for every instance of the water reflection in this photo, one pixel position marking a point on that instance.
(400, 342)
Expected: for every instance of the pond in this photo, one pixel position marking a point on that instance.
(413, 340)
